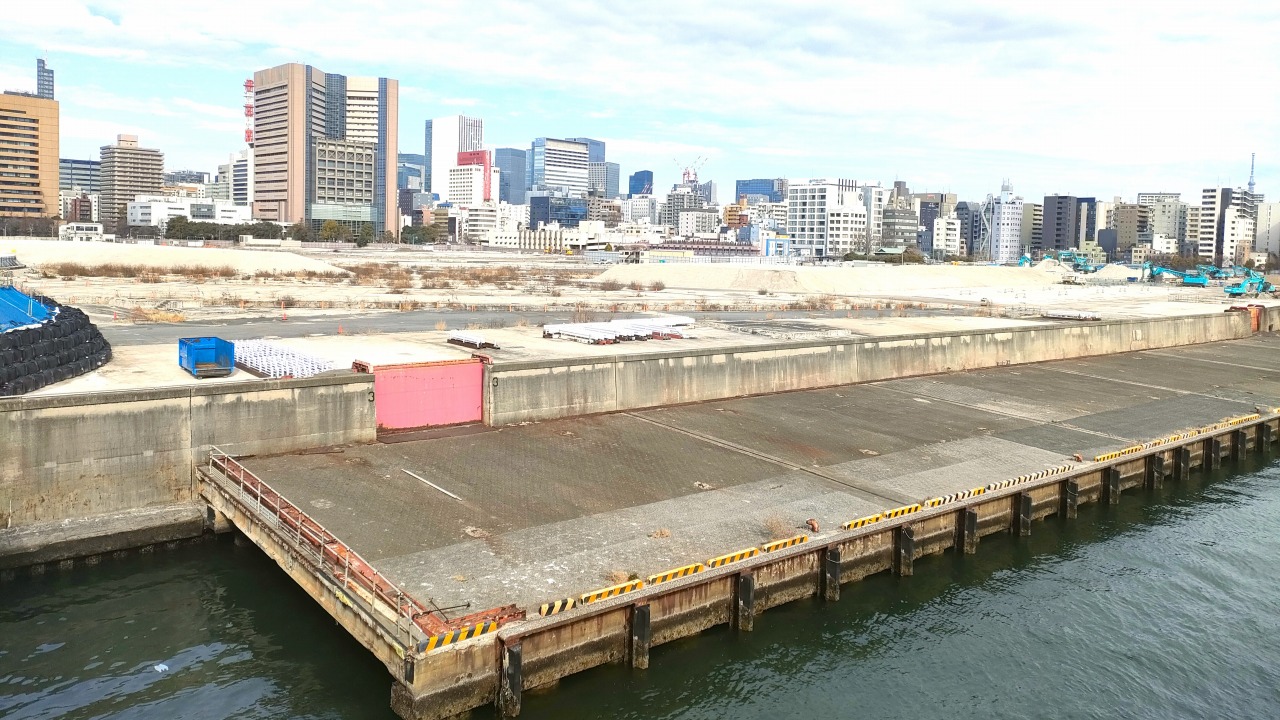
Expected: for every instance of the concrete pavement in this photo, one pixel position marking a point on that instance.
(552, 509)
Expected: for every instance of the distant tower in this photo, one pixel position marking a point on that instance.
(1252, 158)
(248, 112)
(44, 80)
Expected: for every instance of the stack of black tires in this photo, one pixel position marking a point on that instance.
(59, 349)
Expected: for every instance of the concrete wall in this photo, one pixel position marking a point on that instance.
(525, 391)
(71, 457)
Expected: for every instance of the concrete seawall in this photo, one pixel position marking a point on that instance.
(85, 474)
(497, 668)
(528, 391)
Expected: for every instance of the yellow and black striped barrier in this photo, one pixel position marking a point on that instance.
(899, 512)
(677, 573)
(781, 544)
(863, 521)
(611, 591)
(954, 497)
(558, 606)
(733, 557)
(457, 636)
(1222, 425)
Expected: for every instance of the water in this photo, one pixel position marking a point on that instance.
(1163, 607)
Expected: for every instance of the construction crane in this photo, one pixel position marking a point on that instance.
(689, 173)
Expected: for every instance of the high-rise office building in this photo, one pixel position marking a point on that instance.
(44, 80)
(761, 190)
(1168, 214)
(558, 165)
(84, 174)
(242, 178)
(640, 183)
(325, 148)
(930, 207)
(511, 174)
(602, 178)
(1032, 227)
(1061, 222)
(970, 216)
(595, 149)
(128, 171)
(1132, 224)
(1228, 218)
(445, 138)
(473, 180)
(1266, 236)
(901, 227)
(29, 156)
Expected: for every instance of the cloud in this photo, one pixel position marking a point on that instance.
(929, 91)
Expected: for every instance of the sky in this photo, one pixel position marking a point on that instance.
(1088, 98)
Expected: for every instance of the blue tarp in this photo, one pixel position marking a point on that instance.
(19, 310)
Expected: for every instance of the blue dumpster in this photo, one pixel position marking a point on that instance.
(206, 357)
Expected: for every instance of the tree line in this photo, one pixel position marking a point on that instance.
(181, 228)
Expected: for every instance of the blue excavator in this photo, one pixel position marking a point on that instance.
(1076, 261)
(1215, 272)
(1189, 279)
(1253, 285)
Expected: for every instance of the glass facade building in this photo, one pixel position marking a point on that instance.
(773, 189)
(511, 164)
(640, 183)
(545, 209)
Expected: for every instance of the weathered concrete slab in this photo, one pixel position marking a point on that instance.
(551, 509)
(563, 559)
(946, 467)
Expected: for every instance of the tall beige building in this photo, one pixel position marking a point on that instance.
(324, 148)
(127, 172)
(29, 156)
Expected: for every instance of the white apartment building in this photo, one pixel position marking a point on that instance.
(235, 179)
(1002, 234)
(467, 184)
(1266, 237)
(697, 222)
(478, 220)
(1163, 244)
(1228, 220)
(445, 138)
(772, 215)
(946, 236)
(157, 211)
(874, 198)
(640, 208)
(512, 217)
(827, 218)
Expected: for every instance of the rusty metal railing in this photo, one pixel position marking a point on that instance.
(341, 563)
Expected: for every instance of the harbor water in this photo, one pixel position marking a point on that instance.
(1162, 607)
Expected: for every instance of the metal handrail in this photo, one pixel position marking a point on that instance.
(345, 565)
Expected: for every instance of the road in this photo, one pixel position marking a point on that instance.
(125, 333)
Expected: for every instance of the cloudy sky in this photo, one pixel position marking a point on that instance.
(1091, 98)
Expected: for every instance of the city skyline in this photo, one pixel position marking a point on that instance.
(949, 100)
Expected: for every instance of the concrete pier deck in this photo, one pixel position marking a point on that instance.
(552, 509)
